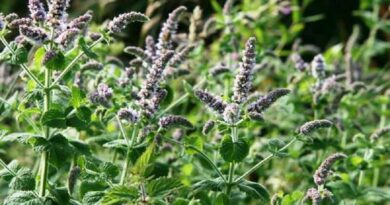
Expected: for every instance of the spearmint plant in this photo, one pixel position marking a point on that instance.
(227, 108)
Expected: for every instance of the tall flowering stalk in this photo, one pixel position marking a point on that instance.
(119, 23)
(316, 195)
(57, 12)
(37, 10)
(169, 29)
(243, 80)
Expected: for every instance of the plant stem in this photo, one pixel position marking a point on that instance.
(73, 62)
(208, 160)
(24, 67)
(230, 178)
(45, 154)
(3, 164)
(382, 124)
(199, 152)
(254, 168)
(129, 148)
(231, 164)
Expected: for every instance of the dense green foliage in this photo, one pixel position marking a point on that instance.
(230, 107)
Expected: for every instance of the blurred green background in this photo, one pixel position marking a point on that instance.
(321, 25)
(335, 26)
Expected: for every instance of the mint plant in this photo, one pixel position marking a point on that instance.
(227, 108)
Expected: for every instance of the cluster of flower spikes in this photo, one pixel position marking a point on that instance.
(231, 112)
(44, 25)
(316, 195)
(157, 57)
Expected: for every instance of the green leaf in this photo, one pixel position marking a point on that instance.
(343, 189)
(208, 184)
(23, 198)
(181, 201)
(38, 58)
(143, 161)
(39, 144)
(103, 138)
(117, 144)
(80, 119)
(54, 118)
(162, 185)
(20, 57)
(57, 62)
(254, 190)
(21, 137)
(60, 150)
(89, 185)
(194, 140)
(234, 151)
(92, 197)
(109, 169)
(61, 195)
(23, 181)
(77, 97)
(222, 199)
(292, 199)
(80, 147)
(120, 195)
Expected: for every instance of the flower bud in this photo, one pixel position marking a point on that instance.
(318, 67)
(231, 113)
(174, 121)
(208, 127)
(264, 102)
(243, 80)
(155, 76)
(323, 170)
(49, 55)
(92, 65)
(102, 95)
(169, 29)
(81, 22)
(33, 34)
(379, 133)
(314, 195)
(299, 63)
(18, 23)
(129, 115)
(180, 57)
(255, 116)
(140, 53)
(57, 12)
(214, 103)
(37, 11)
(119, 23)
(72, 179)
(311, 126)
(11, 17)
(95, 36)
(150, 47)
(219, 69)
(66, 38)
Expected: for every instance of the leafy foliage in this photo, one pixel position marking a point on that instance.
(254, 93)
